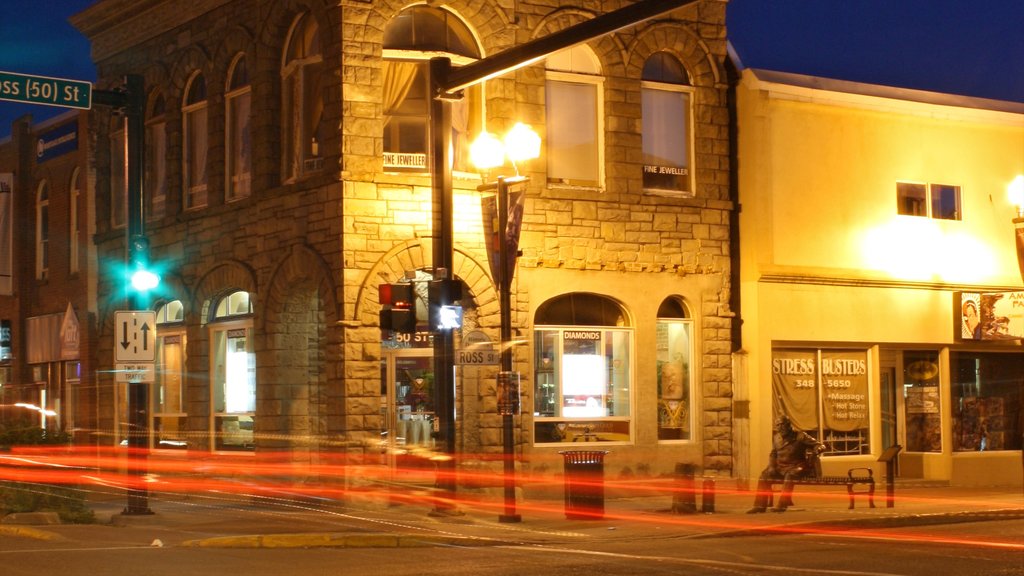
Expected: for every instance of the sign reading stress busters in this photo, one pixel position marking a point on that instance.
(838, 377)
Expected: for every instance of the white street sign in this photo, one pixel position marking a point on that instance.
(134, 336)
(136, 372)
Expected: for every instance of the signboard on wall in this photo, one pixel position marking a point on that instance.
(989, 315)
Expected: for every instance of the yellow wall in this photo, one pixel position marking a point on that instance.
(825, 259)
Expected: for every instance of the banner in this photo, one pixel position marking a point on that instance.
(794, 380)
(489, 212)
(844, 385)
(990, 316)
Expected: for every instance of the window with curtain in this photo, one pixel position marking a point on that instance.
(573, 94)
(43, 230)
(75, 228)
(156, 158)
(233, 374)
(194, 114)
(410, 39)
(118, 174)
(239, 135)
(667, 126)
(302, 109)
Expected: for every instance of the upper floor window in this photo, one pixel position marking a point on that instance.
(75, 229)
(43, 230)
(118, 174)
(156, 157)
(940, 201)
(574, 97)
(194, 114)
(302, 109)
(667, 126)
(410, 39)
(239, 136)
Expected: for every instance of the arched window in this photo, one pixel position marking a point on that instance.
(667, 126)
(233, 373)
(675, 371)
(302, 108)
(156, 157)
(574, 96)
(239, 135)
(194, 113)
(583, 363)
(410, 39)
(75, 228)
(43, 230)
(169, 411)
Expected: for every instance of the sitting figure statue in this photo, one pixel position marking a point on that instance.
(791, 459)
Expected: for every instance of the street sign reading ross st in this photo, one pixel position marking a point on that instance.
(45, 90)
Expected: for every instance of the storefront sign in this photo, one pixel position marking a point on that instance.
(57, 142)
(404, 160)
(69, 335)
(839, 378)
(990, 315)
(5, 341)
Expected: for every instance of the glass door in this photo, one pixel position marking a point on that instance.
(407, 398)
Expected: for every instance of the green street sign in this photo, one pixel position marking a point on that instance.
(45, 90)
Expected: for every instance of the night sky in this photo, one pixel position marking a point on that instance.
(967, 47)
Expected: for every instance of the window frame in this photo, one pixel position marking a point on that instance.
(689, 91)
(195, 108)
(238, 183)
(74, 226)
(156, 158)
(553, 76)
(223, 323)
(297, 72)
(928, 200)
(667, 412)
(42, 230)
(169, 328)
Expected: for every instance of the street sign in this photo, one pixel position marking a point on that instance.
(45, 90)
(134, 336)
(477, 350)
(135, 373)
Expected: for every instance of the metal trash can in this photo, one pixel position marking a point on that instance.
(584, 484)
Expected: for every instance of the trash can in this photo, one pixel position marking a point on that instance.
(584, 484)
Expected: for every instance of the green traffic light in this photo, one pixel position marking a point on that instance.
(145, 280)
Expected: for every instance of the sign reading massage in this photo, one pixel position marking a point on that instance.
(835, 380)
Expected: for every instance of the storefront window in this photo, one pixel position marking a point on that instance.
(986, 393)
(583, 372)
(168, 391)
(233, 363)
(825, 392)
(921, 401)
(675, 350)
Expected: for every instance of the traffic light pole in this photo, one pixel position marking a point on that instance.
(510, 402)
(138, 247)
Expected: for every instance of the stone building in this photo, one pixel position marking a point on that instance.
(287, 178)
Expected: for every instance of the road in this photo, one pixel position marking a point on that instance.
(990, 548)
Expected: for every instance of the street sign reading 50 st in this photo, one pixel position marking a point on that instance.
(45, 90)
(134, 336)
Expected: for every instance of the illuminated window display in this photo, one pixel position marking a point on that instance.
(825, 393)
(986, 394)
(583, 372)
(233, 363)
(921, 401)
(675, 351)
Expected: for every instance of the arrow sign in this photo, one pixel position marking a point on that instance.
(133, 330)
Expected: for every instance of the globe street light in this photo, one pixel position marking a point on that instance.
(488, 152)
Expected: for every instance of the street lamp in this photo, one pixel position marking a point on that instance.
(1016, 192)
(487, 152)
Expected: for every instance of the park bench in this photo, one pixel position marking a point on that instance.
(855, 477)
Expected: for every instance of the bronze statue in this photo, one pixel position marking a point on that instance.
(790, 460)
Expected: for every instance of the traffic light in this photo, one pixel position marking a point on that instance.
(143, 277)
(444, 314)
(398, 307)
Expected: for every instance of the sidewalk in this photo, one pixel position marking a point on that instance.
(219, 520)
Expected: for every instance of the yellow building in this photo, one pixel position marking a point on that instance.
(869, 217)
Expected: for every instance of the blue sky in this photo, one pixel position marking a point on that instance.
(968, 47)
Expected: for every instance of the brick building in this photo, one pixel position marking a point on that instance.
(287, 177)
(47, 285)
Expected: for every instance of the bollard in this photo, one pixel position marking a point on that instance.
(707, 496)
(684, 500)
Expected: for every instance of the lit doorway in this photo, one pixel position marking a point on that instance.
(407, 402)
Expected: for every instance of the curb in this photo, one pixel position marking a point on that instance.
(336, 540)
(26, 532)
